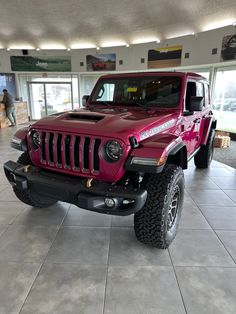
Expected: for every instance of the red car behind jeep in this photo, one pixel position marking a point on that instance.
(124, 153)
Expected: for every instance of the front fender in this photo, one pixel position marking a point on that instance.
(152, 155)
(19, 140)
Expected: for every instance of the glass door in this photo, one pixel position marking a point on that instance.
(224, 100)
(37, 100)
(58, 97)
(49, 98)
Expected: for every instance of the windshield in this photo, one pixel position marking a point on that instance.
(159, 91)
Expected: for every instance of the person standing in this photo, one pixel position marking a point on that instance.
(9, 107)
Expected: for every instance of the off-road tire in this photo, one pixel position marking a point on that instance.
(152, 224)
(28, 197)
(204, 156)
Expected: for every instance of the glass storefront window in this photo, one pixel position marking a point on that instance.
(224, 100)
(60, 92)
(87, 83)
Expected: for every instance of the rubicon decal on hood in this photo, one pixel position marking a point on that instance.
(157, 129)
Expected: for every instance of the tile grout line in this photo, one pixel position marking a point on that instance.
(43, 262)
(7, 227)
(229, 196)
(177, 281)
(215, 232)
(21, 212)
(108, 257)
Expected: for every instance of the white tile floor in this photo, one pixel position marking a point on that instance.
(66, 260)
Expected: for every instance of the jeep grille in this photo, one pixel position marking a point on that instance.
(76, 153)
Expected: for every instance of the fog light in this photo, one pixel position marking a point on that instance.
(109, 202)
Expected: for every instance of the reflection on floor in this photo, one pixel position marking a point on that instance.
(226, 155)
(66, 260)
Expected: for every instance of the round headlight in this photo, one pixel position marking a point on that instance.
(114, 150)
(36, 139)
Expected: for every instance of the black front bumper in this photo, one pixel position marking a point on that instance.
(127, 200)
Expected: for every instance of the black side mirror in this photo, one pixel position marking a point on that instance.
(196, 103)
(84, 100)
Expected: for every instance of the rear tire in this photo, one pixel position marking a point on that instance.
(28, 197)
(204, 156)
(157, 222)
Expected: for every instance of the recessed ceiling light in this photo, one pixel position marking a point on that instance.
(98, 48)
(8, 49)
(234, 23)
(158, 41)
(127, 45)
(193, 33)
(68, 49)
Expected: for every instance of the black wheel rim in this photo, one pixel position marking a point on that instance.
(173, 208)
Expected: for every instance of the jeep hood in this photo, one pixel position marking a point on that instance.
(112, 123)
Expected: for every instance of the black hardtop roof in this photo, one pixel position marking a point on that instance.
(164, 73)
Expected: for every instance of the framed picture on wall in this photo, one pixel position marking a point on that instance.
(228, 50)
(103, 62)
(164, 57)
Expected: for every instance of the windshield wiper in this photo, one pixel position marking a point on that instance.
(138, 103)
(107, 103)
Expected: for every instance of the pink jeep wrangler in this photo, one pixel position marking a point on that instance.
(124, 153)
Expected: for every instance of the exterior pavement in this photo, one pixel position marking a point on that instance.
(66, 260)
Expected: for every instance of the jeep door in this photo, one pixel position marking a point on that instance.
(192, 120)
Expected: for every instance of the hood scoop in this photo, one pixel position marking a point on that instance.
(85, 117)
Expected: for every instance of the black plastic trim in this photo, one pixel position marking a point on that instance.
(22, 146)
(73, 190)
(176, 148)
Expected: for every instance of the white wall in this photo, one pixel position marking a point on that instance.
(199, 47)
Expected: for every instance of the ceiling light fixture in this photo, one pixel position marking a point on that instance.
(127, 45)
(68, 49)
(8, 49)
(37, 49)
(53, 46)
(218, 24)
(113, 43)
(83, 45)
(158, 41)
(98, 48)
(234, 23)
(144, 40)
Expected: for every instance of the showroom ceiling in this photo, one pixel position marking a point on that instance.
(26, 24)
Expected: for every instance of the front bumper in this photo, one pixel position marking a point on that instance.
(127, 200)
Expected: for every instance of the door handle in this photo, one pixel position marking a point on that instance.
(197, 120)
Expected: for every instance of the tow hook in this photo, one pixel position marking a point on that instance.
(89, 183)
(26, 168)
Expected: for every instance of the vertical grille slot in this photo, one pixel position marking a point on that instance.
(67, 149)
(50, 147)
(59, 148)
(95, 155)
(43, 145)
(86, 153)
(76, 152)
